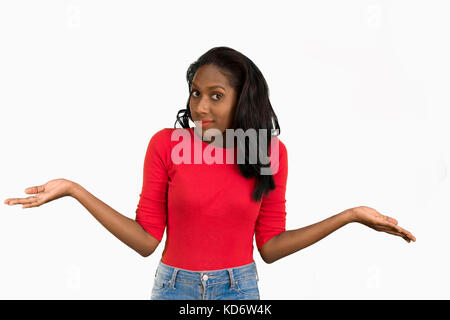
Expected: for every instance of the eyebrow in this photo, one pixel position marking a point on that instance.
(212, 87)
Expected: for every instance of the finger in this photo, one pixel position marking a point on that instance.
(390, 231)
(410, 235)
(35, 189)
(14, 201)
(11, 201)
(390, 225)
(31, 205)
(407, 233)
(392, 228)
(34, 202)
(392, 220)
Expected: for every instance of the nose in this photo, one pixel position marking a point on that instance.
(201, 106)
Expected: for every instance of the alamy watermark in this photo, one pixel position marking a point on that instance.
(230, 135)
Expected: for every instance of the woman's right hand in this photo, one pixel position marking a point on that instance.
(52, 190)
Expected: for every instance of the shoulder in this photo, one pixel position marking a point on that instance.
(278, 147)
(163, 141)
(159, 143)
(278, 157)
(161, 136)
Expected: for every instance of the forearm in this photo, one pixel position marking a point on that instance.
(292, 241)
(125, 229)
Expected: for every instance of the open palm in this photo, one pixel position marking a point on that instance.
(375, 220)
(53, 189)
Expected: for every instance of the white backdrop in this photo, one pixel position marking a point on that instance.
(360, 89)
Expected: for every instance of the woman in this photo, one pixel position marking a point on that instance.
(212, 209)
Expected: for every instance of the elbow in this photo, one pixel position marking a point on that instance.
(267, 252)
(268, 260)
(147, 245)
(145, 253)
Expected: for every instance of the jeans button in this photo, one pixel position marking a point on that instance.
(205, 277)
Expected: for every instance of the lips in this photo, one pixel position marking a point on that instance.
(206, 123)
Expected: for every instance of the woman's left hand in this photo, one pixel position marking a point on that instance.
(375, 220)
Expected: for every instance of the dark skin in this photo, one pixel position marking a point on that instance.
(217, 104)
(208, 101)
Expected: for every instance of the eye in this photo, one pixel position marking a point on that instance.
(216, 94)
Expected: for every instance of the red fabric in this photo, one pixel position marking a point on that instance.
(208, 210)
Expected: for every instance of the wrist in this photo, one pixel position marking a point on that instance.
(349, 215)
(74, 189)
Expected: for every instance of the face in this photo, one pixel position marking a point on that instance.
(212, 98)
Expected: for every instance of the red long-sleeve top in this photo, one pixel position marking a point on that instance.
(207, 206)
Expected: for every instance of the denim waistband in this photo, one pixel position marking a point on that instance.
(175, 274)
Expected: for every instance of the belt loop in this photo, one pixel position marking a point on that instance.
(256, 269)
(172, 280)
(230, 271)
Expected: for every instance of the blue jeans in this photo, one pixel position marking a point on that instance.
(239, 283)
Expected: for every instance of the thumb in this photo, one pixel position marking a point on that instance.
(35, 189)
(392, 220)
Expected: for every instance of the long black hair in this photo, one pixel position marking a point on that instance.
(253, 109)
